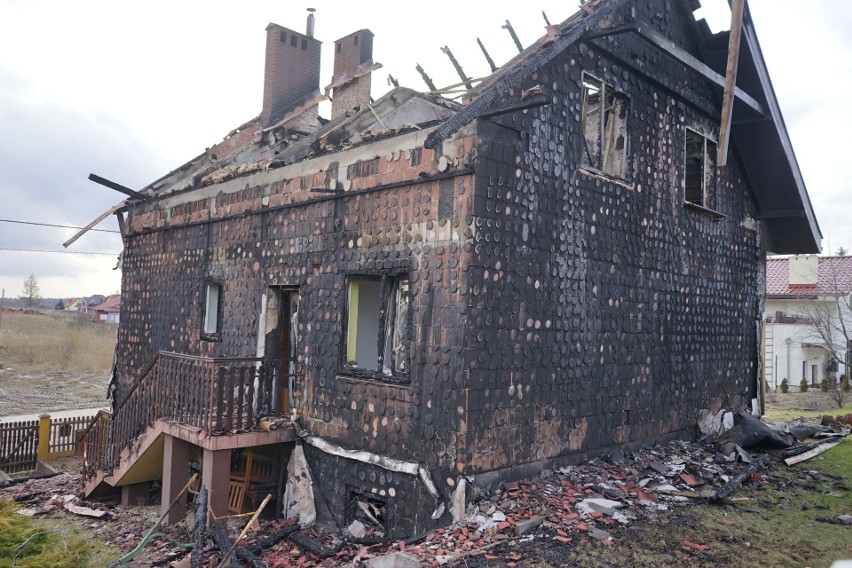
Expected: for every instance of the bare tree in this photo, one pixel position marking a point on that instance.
(827, 322)
(30, 295)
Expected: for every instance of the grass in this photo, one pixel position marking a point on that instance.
(36, 343)
(70, 547)
(810, 405)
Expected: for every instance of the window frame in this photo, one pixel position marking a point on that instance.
(216, 335)
(597, 164)
(709, 172)
(387, 284)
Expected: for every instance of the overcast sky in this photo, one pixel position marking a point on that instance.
(130, 90)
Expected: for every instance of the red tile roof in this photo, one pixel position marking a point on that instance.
(110, 304)
(834, 275)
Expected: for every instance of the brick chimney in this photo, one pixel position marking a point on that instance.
(292, 70)
(353, 64)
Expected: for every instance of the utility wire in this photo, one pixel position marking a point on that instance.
(51, 225)
(60, 251)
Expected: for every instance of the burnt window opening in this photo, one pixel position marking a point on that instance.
(699, 170)
(369, 510)
(212, 311)
(604, 128)
(377, 325)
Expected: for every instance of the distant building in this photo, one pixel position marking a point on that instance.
(806, 297)
(108, 311)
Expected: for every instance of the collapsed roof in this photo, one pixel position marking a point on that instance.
(758, 134)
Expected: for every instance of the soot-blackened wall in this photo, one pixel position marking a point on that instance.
(555, 311)
(399, 216)
(604, 311)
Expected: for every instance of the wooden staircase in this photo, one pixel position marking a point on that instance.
(212, 403)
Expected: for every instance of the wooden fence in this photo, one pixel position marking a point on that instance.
(24, 443)
(19, 446)
(62, 440)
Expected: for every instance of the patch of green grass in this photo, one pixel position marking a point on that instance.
(67, 546)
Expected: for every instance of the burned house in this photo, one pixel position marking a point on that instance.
(421, 294)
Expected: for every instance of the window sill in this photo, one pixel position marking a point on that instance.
(596, 173)
(712, 213)
(211, 337)
(355, 374)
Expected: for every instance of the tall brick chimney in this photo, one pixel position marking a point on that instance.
(353, 63)
(292, 70)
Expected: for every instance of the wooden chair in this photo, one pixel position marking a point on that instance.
(254, 474)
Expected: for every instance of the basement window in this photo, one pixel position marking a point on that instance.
(212, 311)
(700, 170)
(604, 128)
(369, 510)
(377, 326)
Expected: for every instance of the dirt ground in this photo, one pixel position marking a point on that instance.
(39, 393)
(812, 402)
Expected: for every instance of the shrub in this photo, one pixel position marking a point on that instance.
(803, 386)
(844, 383)
(785, 386)
(823, 385)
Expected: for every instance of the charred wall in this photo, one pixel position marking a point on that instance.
(604, 310)
(400, 215)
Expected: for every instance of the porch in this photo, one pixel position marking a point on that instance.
(186, 413)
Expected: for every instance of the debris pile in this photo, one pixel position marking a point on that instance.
(587, 502)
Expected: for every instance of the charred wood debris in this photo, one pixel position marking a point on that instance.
(586, 501)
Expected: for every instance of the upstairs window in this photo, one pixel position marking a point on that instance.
(212, 311)
(377, 323)
(604, 128)
(700, 170)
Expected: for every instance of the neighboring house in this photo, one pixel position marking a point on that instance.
(444, 293)
(808, 323)
(108, 310)
(73, 304)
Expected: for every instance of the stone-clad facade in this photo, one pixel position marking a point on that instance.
(555, 308)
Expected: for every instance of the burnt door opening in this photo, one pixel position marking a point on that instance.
(282, 337)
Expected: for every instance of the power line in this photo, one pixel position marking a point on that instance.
(60, 251)
(52, 225)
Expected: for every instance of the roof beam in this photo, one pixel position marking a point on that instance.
(500, 89)
(782, 214)
(100, 218)
(532, 101)
(118, 187)
(737, 7)
(677, 53)
(465, 79)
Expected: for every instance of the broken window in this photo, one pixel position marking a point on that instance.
(700, 170)
(212, 309)
(377, 324)
(604, 128)
(367, 512)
